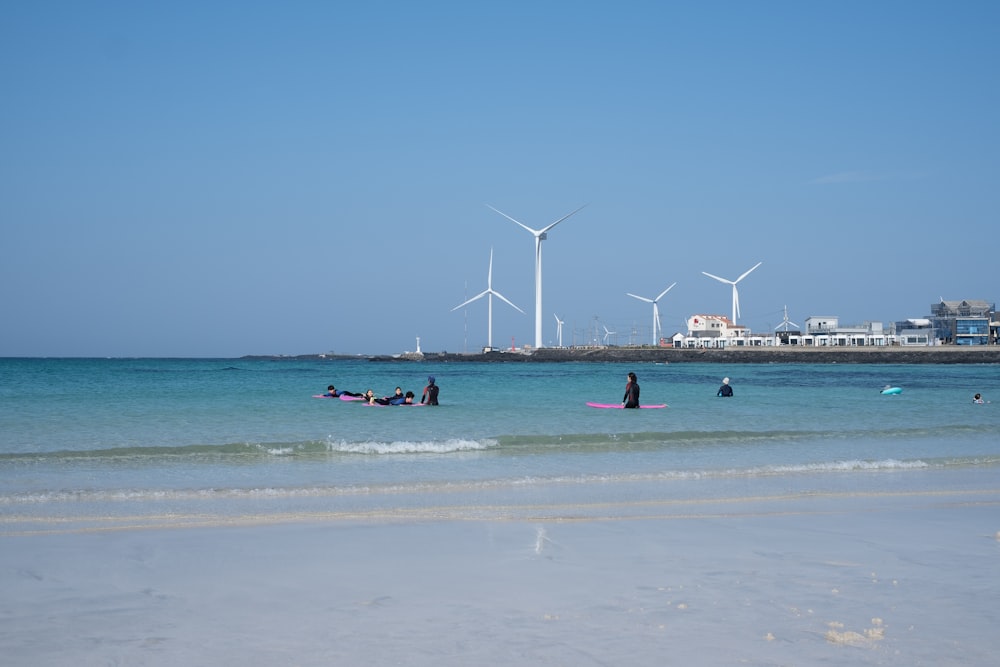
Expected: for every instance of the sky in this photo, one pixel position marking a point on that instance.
(191, 179)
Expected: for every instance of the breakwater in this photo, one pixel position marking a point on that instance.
(945, 354)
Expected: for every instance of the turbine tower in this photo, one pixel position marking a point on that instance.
(656, 311)
(559, 325)
(540, 235)
(736, 294)
(490, 293)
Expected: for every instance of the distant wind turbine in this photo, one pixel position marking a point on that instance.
(736, 294)
(559, 325)
(490, 293)
(607, 333)
(656, 311)
(786, 321)
(540, 235)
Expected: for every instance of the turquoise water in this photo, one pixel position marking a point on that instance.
(233, 434)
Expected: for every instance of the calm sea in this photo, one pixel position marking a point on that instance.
(112, 437)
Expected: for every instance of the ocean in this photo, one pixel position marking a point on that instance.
(212, 511)
(94, 436)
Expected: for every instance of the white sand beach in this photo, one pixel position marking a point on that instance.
(894, 578)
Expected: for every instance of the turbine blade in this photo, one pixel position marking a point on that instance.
(465, 303)
(504, 299)
(721, 280)
(664, 292)
(641, 298)
(748, 272)
(536, 232)
(545, 229)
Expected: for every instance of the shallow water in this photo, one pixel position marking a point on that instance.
(224, 435)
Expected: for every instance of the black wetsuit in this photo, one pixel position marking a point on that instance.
(725, 390)
(430, 395)
(631, 398)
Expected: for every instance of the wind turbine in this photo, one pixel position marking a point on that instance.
(656, 311)
(607, 333)
(540, 235)
(559, 324)
(786, 321)
(488, 292)
(736, 294)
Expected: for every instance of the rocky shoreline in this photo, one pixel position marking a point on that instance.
(987, 354)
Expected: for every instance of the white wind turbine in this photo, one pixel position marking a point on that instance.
(540, 235)
(786, 322)
(559, 325)
(607, 333)
(736, 294)
(490, 293)
(656, 311)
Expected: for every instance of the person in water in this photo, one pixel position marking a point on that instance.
(398, 398)
(407, 399)
(631, 397)
(333, 392)
(725, 389)
(430, 395)
(978, 398)
(375, 400)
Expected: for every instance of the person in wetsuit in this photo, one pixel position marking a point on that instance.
(631, 398)
(725, 389)
(430, 395)
(333, 392)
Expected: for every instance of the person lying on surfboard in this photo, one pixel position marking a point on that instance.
(333, 392)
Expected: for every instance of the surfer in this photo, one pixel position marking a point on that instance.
(430, 395)
(375, 400)
(631, 397)
(397, 398)
(333, 392)
(725, 389)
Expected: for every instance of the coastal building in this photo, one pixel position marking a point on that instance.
(966, 322)
(715, 331)
(915, 331)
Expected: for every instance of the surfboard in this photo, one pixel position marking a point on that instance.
(619, 405)
(397, 405)
(888, 391)
(343, 398)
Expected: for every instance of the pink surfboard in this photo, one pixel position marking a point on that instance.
(619, 405)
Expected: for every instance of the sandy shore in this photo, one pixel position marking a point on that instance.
(833, 578)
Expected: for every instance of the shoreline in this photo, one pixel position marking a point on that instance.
(987, 354)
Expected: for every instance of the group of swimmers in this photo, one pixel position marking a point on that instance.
(429, 396)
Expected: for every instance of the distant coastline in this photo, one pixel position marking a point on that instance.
(987, 354)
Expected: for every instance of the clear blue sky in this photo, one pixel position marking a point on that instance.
(230, 178)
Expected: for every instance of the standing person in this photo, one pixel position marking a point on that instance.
(430, 395)
(725, 389)
(631, 398)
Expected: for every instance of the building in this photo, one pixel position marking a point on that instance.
(715, 331)
(964, 322)
(915, 331)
